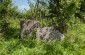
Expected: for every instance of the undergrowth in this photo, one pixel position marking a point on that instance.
(73, 44)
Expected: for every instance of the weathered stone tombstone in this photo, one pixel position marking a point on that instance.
(27, 27)
(48, 34)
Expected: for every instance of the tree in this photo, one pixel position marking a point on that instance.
(5, 6)
(62, 11)
(38, 9)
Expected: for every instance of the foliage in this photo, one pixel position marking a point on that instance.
(36, 47)
(6, 13)
(83, 6)
(59, 13)
(63, 11)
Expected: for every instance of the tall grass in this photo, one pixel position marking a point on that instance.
(73, 44)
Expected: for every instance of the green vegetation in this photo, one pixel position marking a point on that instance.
(68, 15)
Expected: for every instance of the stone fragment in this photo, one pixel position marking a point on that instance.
(48, 33)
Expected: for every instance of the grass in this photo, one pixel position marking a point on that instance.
(36, 47)
(74, 43)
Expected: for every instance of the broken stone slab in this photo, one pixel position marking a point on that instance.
(27, 27)
(48, 34)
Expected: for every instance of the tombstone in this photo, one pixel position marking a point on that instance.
(48, 34)
(27, 27)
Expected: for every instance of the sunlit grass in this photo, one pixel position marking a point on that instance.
(74, 44)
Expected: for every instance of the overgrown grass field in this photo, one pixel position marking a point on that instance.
(73, 44)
